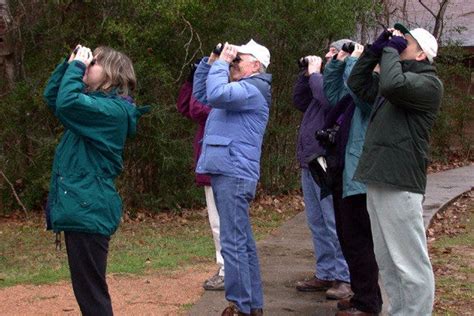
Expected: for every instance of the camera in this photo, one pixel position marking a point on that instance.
(348, 47)
(327, 137)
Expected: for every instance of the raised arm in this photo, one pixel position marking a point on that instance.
(232, 96)
(334, 87)
(200, 77)
(409, 90)
(363, 82)
(86, 115)
(302, 92)
(50, 93)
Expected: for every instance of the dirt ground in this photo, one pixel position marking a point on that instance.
(169, 293)
(154, 294)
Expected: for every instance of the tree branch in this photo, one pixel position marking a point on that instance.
(15, 194)
(427, 8)
(186, 46)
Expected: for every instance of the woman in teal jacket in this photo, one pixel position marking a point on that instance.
(90, 95)
(352, 218)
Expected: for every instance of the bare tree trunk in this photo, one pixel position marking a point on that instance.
(363, 30)
(7, 60)
(439, 17)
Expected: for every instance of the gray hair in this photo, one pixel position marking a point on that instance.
(338, 44)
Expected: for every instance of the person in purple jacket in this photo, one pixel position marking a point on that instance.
(197, 111)
(332, 274)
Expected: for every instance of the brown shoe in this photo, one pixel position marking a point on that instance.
(339, 291)
(256, 312)
(232, 310)
(344, 304)
(313, 285)
(354, 311)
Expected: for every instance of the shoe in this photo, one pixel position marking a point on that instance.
(313, 285)
(214, 283)
(339, 291)
(344, 304)
(354, 311)
(232, 310)
(256, 312)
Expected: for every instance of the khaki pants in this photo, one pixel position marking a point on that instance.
(400, 249)
(215, 227)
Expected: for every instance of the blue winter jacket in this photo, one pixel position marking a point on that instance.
(235, 127)
(335, 87)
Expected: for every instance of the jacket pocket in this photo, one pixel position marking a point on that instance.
(81, 205)
(356, 147)
(217, 157)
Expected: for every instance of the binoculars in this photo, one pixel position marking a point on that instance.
(218, 50)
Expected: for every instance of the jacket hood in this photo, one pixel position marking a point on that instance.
(133, 113)
(264, 76)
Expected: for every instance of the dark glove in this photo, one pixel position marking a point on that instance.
(192, 70)
(399, 43)
(380, 42)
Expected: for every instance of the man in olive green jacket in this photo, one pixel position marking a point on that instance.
(406, 98)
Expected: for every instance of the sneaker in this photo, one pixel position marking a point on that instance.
(313, 285)
(214, 283)
(256, 312)
(339, 291)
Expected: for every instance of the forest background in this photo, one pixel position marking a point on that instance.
(163, 38)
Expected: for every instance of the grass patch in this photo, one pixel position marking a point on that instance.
(452, 256)
(165, 242)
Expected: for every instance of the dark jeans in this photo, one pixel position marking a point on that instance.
(358, 249)
(87, 257)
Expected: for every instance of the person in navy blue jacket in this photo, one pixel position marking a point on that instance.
(331, 272)
(238, 89)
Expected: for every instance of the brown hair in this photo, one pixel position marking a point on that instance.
(118, 71)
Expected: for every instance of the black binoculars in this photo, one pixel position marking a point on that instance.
(303, 62)
(218, 50)
(348, 47)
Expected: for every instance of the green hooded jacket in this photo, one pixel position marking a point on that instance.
(407, 97)
(82, 195)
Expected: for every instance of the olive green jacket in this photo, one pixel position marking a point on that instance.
(82, 195)
(407, 97)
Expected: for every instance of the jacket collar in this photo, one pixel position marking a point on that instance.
(418, 66)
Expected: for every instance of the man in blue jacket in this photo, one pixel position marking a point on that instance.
(237, 88)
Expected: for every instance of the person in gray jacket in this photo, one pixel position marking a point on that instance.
(407, 98)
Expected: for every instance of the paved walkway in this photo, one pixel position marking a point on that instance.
(287, 256)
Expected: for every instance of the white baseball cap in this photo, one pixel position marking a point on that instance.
(258, 51)
(425, 39)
